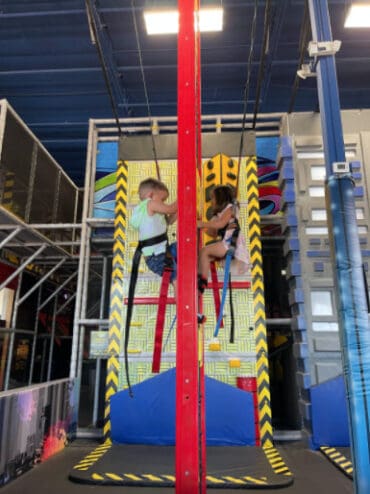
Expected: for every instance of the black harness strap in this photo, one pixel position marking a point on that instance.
(131, 292)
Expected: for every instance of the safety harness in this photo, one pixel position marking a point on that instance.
(162, 299)
(227, 279)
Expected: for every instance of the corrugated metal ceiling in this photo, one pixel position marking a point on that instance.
(51, 74)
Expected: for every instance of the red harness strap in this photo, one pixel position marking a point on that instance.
(216, 293)
(162, 302)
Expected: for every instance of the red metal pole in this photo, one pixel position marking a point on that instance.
(187, 357)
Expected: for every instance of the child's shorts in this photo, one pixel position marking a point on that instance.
(156, 263)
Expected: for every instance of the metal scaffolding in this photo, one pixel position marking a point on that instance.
(39, 236)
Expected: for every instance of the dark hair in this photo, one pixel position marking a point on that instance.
(224, 195)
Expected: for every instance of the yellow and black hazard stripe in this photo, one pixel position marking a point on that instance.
(276, 461)
(88, 470)
(93, 457)
(117, 292)
(339, 460)
(161, 480)
(262, 371)
(164, 480)
(133, 479)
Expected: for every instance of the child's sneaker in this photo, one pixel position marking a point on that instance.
(201, 318)
(202, 283)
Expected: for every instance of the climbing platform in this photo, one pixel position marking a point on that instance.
(227, 467)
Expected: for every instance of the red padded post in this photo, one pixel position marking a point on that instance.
(188, 422)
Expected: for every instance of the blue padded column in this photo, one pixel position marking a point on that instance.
(346, 253)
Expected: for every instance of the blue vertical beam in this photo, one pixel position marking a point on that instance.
(346, 253)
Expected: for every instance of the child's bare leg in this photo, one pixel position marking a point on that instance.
(208, 254)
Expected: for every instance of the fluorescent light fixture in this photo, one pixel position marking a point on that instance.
(358, 15)
(162, 22)
(167, 21)
(210, 19)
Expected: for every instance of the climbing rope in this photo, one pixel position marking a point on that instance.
(145, 87)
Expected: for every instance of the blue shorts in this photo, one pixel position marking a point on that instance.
(156, 263)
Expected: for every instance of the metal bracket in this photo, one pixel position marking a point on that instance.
(306, 71)
(341, 167)
(323, 48)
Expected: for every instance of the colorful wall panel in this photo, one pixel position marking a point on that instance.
(35, 423)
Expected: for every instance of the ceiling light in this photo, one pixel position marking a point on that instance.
(358, 15)
(164, 22)
(210, 19)
(167, 21)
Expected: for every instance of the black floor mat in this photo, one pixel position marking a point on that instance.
(142, 465)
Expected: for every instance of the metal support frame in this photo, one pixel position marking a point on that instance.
(22, 267)
(35, 333)
(31, 182)
(66, 303)
(51, 346)
(28, 243)
(99, 360)
(347, 263)
(86, 213)
(87, 262)
(40, 282)
(59, 289)
(11, 235)
(38, 256)
(43, 358)
(12, 335)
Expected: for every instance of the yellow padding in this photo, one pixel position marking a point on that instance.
(136, 324)
(234, 362)
(214, 345)
(134, 350)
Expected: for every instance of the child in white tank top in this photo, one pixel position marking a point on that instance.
(152, 217)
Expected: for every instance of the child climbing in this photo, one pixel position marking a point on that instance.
(225, 224)
(152, 217)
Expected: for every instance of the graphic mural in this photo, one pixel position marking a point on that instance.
(35, 423)
(268, 185)
(268, 173)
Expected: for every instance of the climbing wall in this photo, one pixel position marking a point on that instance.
(144, 315)
(233, 360)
